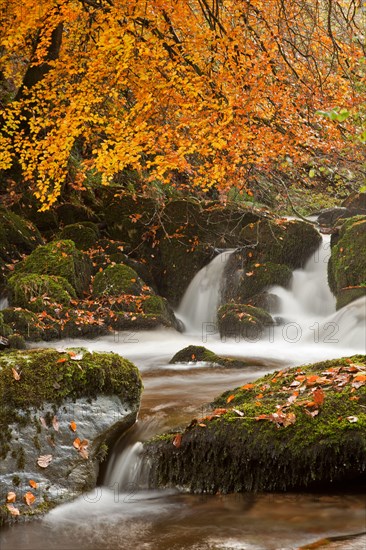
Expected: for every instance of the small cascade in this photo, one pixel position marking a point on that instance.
(309, 296)
(4, 303)
(202, 297)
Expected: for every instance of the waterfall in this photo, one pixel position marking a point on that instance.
(3, 303)
(202, 297)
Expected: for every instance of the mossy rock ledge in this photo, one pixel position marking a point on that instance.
(194, 354)
(296, 429)
(51, 402)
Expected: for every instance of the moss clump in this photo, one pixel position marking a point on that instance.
(288, 242)
(37, 292)
(258, 277)
(5, 329)
(17, 342)
(45, 379)
(192, 354)
(155, 305)
(62, 259)
(116, 280)
(319, 441)
(84, 234)
(23, 322)
(347, 265)
(242, 320)
(16, 235)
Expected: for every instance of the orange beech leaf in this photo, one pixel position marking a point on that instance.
(29, 498)
(76, 443)
(33, 484)
(202, 425)
(62, 360)
(14, 511)
(247, 387)
(16, 374)
(72, 426)
(11, 497)
(177, 440)
(318, 396)
(230, 398)
(220, 411)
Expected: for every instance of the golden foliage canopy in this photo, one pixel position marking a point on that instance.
(203, 88)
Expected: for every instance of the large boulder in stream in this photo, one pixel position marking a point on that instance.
(295, 429)
(60, 412)
(347, 264)
(196, 354)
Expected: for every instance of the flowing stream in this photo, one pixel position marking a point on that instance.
(122, 514)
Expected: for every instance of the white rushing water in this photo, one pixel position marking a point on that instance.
(122, 514)
(202, 297)
(4, 303)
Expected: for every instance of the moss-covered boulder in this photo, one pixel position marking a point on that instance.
(281, 241)
(194, 354)
(63, 259)
(347, 265)
(83, 234)
(116, 280)
(300, 428)
(59, 414)
(23, 322)
(244, 321)
(39, 292)
(245, 278)
(17, 235)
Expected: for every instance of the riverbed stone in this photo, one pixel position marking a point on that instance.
(242, 321)
(347, 264)
(302, 428)
(194, 354)
(65, 406)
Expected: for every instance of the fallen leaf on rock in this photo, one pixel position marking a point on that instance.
(33, 484)
(289, 419)
(62, 360)
(11, 497)
(16, 374)
(76, 443)
(44, 460)
(29, 498)
(247, 387)
(14, 511)
(72, 426)
(220, 411)
(352, 419)
(230, 398)
(312, 413)
(55, 424)
(43, 422)
(319, 396)
(177, 440)
(239, 413)
(202, 425)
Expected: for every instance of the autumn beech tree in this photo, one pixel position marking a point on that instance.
(194, 93)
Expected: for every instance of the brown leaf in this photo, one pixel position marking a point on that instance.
(76, 443)
(230, 398)
(177, 440)
(55, 424)
(11, 497)
(62, 360)
(289, 419)
(16, 374)
(29, 498)
(14, 511)
(43, 422)
(72, 426)
(84, 453)
(319, 396)
(33, 484)
(44, 460)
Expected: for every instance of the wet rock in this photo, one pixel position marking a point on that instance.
(66, 408)
(356, 201)
(63, 259)
(243, 321)
(83, 234)
(36, 292)
(271, 436)
(347, 265)
(194, 354)
(116, 280)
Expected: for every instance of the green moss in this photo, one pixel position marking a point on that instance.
(237, 451)
(16, 235)
(257, 278)
(62, 259)
(84, 234)
(37, 292)
(17, 342)
(242, 320)
(347, 265)
(5, 329)
(192, 354)
(45, 379)
(116, 280)
(154, 304)
(288, 242)
(23, 322)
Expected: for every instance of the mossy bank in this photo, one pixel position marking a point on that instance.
(301, 428)
(65, 406)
